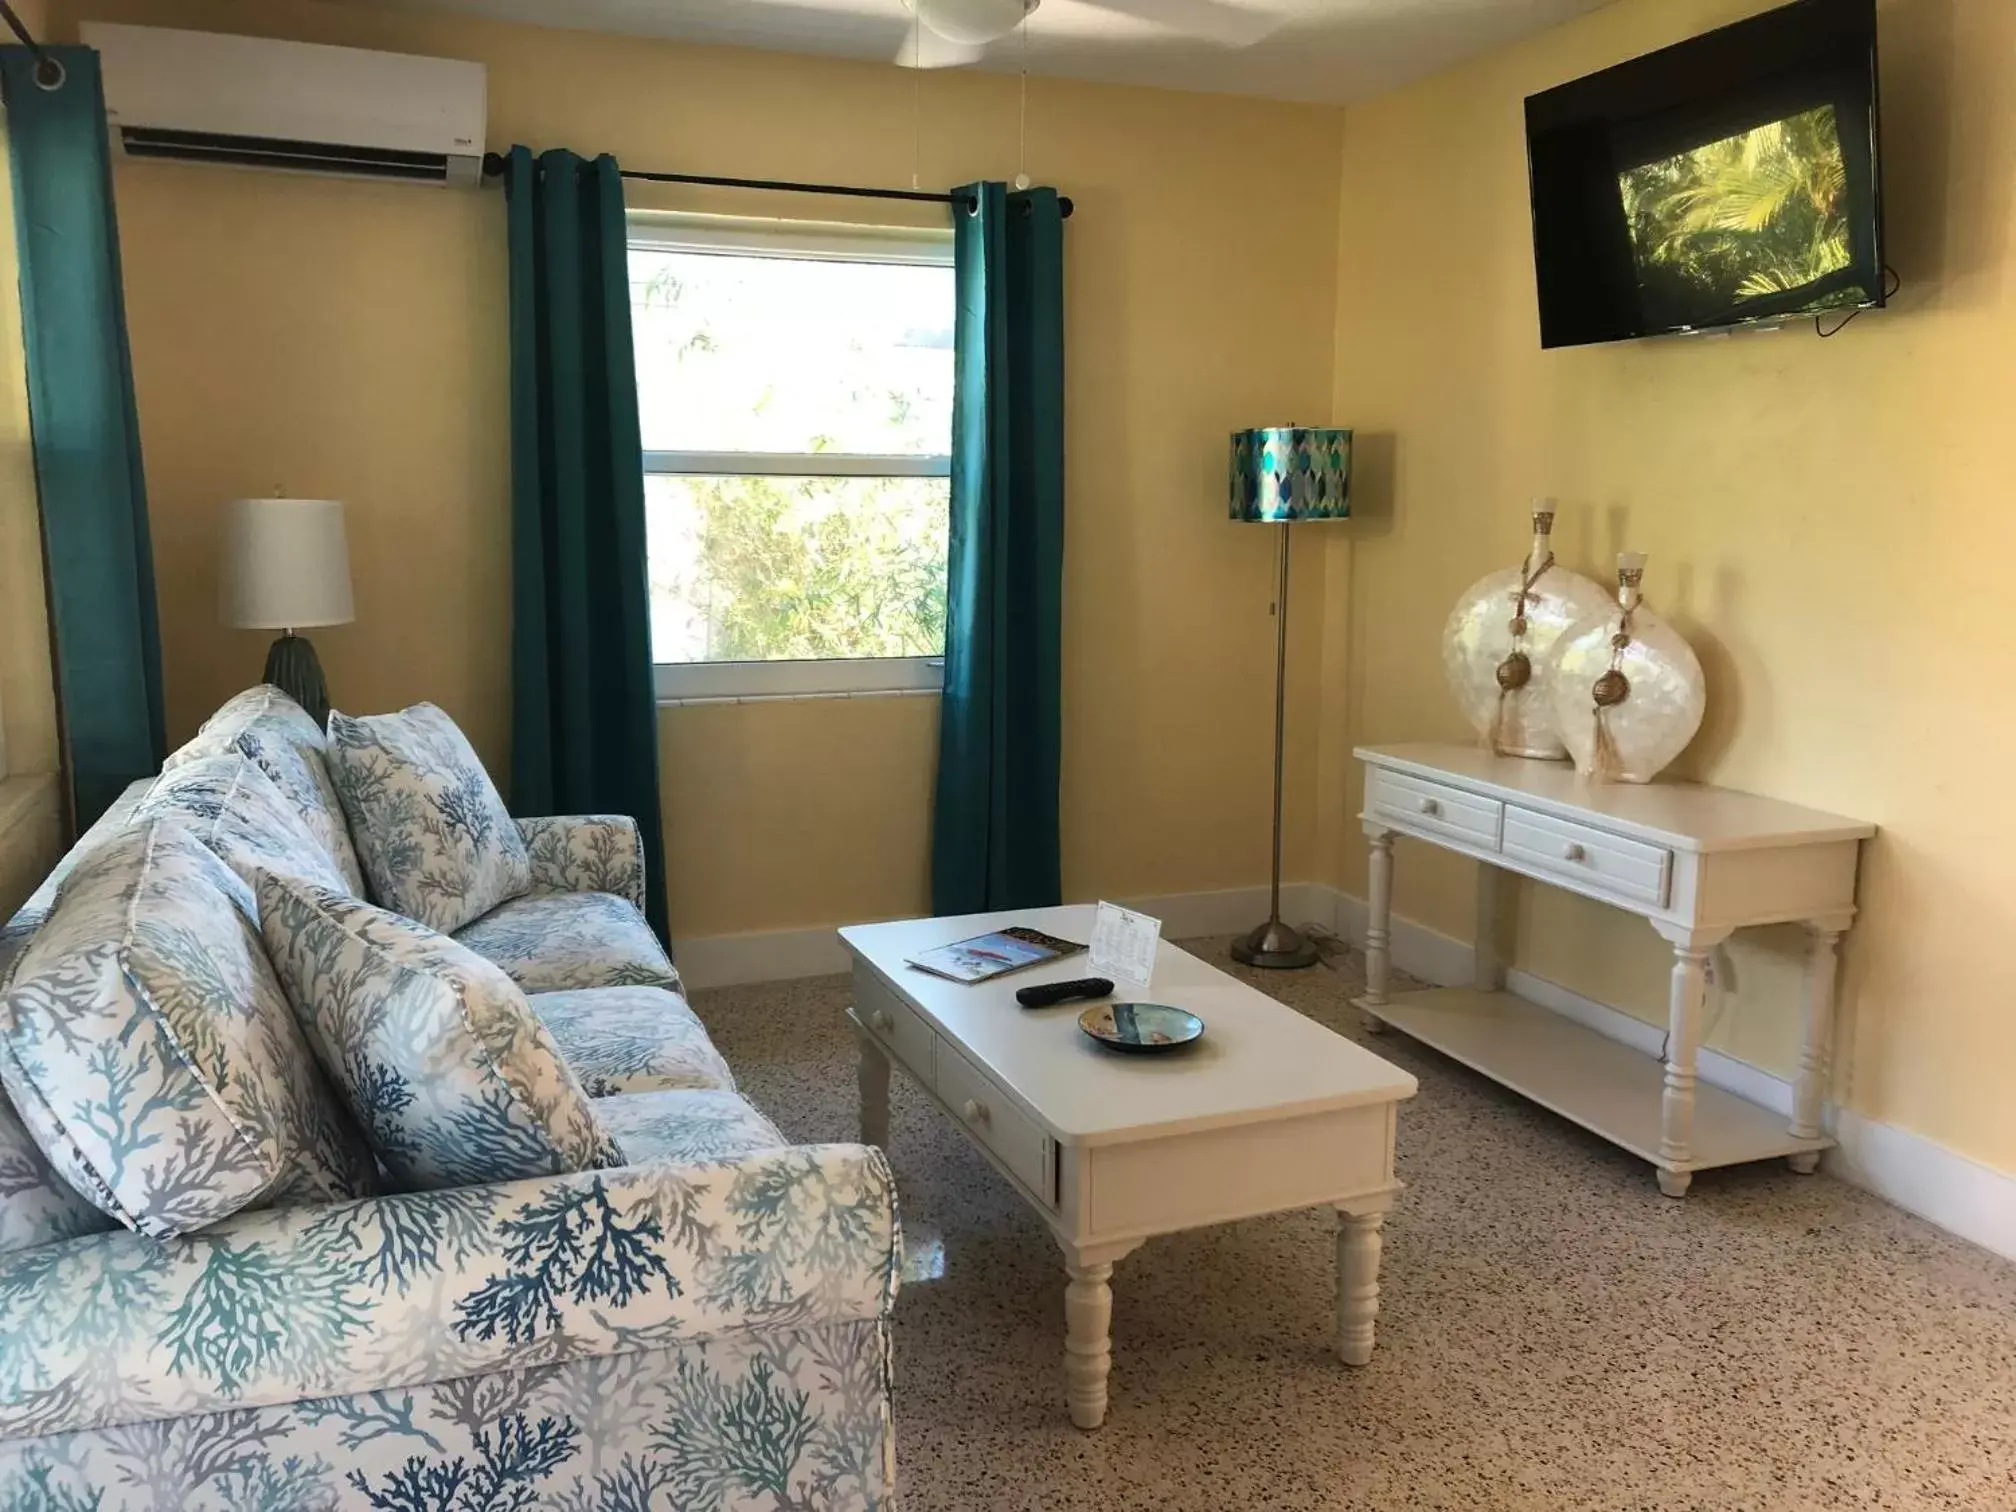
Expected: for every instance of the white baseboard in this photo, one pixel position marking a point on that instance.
(1960, 1195)
(1940, 1185)
(781, 954)
(771, 955)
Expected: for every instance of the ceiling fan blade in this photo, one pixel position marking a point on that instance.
(924, 48)
(1216, 21)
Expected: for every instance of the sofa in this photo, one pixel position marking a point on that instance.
(706, 1326)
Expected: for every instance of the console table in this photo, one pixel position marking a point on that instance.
(1695, 862)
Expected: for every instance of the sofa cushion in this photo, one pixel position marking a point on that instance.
(631, 1039)
(436, 842)
(37, 1206)
(231, 805)
(452, 1074)
(149, 1050)
(19, 930)
(688, 1125)
(264, 725)
(554, 942)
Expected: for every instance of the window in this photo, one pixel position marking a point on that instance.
(795, 390)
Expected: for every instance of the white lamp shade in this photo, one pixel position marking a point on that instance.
(286, 565)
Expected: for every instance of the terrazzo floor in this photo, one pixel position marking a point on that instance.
(1553, 1334)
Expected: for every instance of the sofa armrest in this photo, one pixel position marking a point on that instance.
(313, 1302)
(586, 853)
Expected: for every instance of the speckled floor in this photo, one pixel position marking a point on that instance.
(1554, 1335)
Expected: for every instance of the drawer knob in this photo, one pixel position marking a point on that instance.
(880, 1021)
(1431, 806)
(1573, 851)
(975, 1111)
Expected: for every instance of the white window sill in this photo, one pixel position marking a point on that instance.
(758, 698)
(686, 682)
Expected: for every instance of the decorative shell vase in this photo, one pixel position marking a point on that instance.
(1628, 692)
(1498, 642)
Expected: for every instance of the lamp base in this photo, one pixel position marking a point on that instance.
(293, 668)
(1275, 946)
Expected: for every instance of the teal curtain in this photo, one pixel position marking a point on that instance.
(99, 560)
(994, 837)
(584, 715)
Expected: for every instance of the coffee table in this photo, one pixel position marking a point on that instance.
(1269, 1112)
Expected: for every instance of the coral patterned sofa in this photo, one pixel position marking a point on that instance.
(705, 1326)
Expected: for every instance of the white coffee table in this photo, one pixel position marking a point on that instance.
(1269, 1112)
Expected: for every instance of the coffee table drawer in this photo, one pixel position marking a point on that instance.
(1434, 807)
(1592, 859)
(998, 1124)
(896, 1024)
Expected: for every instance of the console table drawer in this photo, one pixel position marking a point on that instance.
(998, 1124)
(1434, 807)
(898, 1026)
(1596, 860)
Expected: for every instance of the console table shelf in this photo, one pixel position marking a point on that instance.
(1588, 1078)
(1695, 862)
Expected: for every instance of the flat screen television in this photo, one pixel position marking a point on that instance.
(1730, 179)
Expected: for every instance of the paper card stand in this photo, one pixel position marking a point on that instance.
(1124, 944)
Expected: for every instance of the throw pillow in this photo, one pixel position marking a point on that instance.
(231, 805)
(452, 1074)
(265, 725)
(435, 840)
(151, 1054)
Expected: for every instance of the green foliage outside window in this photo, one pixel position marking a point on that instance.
(791, 568)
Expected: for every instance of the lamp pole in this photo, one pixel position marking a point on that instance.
(1275, 944)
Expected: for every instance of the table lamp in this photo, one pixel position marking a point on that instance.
(1281, 474)
(287, 568)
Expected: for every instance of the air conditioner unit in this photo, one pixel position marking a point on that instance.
(208, 98)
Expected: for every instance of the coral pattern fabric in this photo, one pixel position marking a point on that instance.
(694, 1336)
(435, 839)
(266, 726)
(231, 805)
(454, 1078)
(598, 853)
(150, 1052)
(553, 942)
(632, 1039)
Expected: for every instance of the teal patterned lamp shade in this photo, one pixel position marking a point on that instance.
(1291, 472)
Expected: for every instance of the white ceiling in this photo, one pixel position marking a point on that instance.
(1330, 50)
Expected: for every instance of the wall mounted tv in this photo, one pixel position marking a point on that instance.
(1731, 179)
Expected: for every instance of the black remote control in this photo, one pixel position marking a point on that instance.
(1050, 994)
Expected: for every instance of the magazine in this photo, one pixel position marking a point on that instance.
(987, 956)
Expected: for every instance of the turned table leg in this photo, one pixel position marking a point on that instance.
(1687, 991)
(1088, 1340)
(872, 1075)
(1378, 925)
(1358, 1246)
(1816, 1039)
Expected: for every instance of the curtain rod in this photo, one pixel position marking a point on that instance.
(48, 71)
(493, 164)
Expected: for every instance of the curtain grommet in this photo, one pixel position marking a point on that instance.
(50, 73)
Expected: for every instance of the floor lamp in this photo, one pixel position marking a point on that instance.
(1281, 474)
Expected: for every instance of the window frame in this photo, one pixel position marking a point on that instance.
(796, 241)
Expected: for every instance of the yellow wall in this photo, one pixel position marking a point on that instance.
(1829, 522)
(31, 813)
(349, 340)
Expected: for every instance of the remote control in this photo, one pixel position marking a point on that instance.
(1050, 994)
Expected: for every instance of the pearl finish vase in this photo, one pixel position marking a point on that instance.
(1628, 691)
(1498, 644)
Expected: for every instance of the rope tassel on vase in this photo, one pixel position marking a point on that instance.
(1502, 685)
(1628, 690)
(1611, 689)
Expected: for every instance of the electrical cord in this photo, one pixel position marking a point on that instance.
(1842, 325)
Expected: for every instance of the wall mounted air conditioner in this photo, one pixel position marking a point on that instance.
(208, 98)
